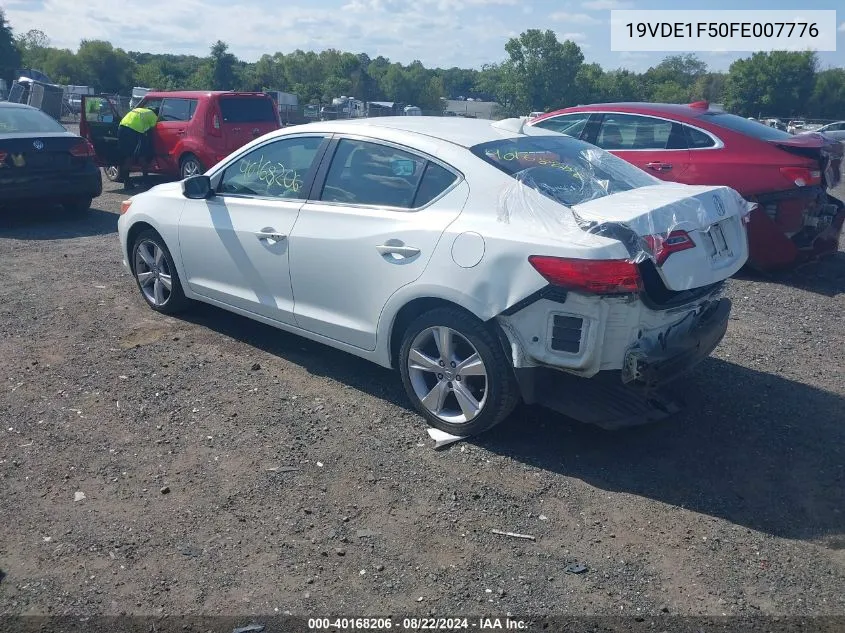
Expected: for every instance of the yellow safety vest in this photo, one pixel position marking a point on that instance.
(140, 119)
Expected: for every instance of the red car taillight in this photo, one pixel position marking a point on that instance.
(603, 276)
(214, 128)
(83, 149)
(662, 247)
(802, 176)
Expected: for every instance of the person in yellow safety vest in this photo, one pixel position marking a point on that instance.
(134, 138)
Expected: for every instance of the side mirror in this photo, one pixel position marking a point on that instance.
(197, 187)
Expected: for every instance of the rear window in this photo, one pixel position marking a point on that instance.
(22, 120)
(566, 170)
(754, 129)
(247, 110)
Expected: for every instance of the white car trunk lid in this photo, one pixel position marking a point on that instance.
(711, 217)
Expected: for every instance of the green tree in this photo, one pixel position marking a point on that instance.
(221, 69)
(10, 57)
(777, 83)
(710, 87)
(540, 71)
(101, 65)
(828, 97)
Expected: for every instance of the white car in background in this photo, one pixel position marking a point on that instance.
(487, 262)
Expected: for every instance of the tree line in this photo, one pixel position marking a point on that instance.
(539, 73)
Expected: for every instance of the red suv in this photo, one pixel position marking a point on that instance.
(195, 130)
(788, 176)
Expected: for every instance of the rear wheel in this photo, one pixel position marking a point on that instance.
(456, 373)
(156, 274)
(189, 166)
(77, 206)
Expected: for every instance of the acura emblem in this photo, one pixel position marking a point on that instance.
(720, 206)
(38, 145)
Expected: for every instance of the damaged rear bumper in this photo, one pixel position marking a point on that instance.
(634, 395)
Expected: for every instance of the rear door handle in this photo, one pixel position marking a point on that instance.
(401, 251)
(659, 166)
(270, 234)
(180, 133)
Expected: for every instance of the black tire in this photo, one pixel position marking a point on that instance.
(77, 206)
(501, 389)
(114, 173)
(184, 166)
(176, 301)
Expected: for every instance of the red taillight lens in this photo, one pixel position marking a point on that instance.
(214, 124)
(2, 157)
(607, 276)
(802, 176)
(663, 246)
(83, 149)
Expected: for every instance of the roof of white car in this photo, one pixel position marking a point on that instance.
(457, 130)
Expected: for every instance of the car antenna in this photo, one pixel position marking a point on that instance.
(511, 125)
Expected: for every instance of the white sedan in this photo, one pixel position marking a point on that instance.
(488, 262)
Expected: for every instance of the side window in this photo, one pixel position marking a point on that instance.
(697, 139)
(194, 103)
(152, 104)
(570, 124)
(435, 181)
(175, 110)
(99, 110)
(373, 174)
(274, 170)
(631, 131)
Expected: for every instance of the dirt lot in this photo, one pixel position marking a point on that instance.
(737, 506)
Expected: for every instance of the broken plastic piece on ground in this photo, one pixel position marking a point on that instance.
(252, 628)
(576, 568)
(441, 438)
(527, 537)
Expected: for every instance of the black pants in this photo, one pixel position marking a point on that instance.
(134, 147)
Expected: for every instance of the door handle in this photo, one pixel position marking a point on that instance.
(401, 251)
(659, 166)
(180, 133)
(271, 235)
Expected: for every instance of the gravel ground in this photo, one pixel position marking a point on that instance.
(230, 468)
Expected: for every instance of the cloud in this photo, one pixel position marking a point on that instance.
(393, 28)
(575, 37)
(574, 18)
(603, 5)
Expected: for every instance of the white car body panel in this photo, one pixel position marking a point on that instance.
(328, 282)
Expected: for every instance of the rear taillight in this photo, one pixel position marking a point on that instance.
(802, 176)
(83, 149)
(664, 245)
(214, 124)
(2, 157)
(603, 276)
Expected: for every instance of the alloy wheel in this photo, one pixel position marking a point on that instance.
(153, 273)
(447, 375)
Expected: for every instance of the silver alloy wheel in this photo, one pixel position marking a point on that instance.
(112, 172)
(190, 167)
(153, 273)
(447, 375)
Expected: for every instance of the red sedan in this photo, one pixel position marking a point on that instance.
(788, 176)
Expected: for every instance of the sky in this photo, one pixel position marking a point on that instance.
(444, 33)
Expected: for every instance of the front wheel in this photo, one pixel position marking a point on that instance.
(456, 373)
(156, 274)
(190, 166)
(114, 173)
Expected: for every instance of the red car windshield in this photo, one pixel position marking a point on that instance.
(566, 170)
(754, 129)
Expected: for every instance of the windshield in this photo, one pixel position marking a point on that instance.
(566, 170)
(754, 129)
(27, 120)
